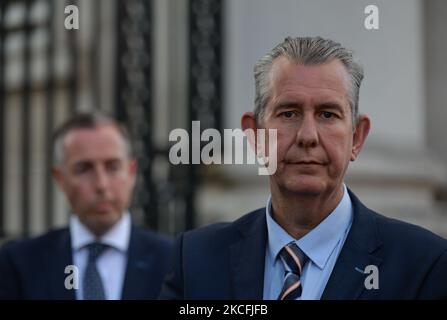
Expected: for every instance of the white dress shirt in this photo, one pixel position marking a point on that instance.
(111, 263)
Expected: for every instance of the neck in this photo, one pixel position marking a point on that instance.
(299, 214)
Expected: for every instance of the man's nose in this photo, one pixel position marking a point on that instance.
(101, 179)
(307, 134)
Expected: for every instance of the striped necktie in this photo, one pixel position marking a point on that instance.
(294, 260)
(92, 285)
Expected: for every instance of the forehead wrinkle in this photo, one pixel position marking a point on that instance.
(112, 148)
(299, 81)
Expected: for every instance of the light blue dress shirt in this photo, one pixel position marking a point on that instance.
(322, 245)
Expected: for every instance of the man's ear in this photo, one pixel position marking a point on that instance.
(58, 175)
(248, 122)
(359, 136)
(132, 167)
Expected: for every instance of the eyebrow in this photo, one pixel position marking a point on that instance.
(331, 106)
(286, 105)
(90, 161)
(323, 105)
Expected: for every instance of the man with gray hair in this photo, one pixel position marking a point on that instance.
(314, 239)
(101, 255)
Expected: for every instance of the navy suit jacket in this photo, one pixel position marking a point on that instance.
(226, 261)
(34, 268)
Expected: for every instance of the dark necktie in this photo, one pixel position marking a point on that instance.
(92, 284)
(294, 260)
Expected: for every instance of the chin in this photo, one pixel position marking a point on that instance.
(108, 220)
(305, 185)
(102, 222)
(101, 227)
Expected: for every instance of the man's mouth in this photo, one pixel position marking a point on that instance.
(306, 162)
(103, 206)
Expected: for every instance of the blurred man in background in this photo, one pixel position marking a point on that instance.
(110, 258)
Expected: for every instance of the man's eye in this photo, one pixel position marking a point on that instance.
(82, 168)
(327, 114)
(113, 166)
(287, 114)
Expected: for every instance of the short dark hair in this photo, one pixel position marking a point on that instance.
(86, 120)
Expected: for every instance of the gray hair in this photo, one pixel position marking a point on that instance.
(85, 120)
(307, 51)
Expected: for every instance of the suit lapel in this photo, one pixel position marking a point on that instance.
(59, 257)
(248, 259)
(359, 250)
(347, 279)
(139, 265)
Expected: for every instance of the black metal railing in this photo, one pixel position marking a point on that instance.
(205, 78)
(50, 88)
(2, 118)
(133, 100)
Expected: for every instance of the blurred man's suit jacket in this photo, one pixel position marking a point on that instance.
(34, 268)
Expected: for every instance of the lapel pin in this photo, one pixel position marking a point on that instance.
(359, 270)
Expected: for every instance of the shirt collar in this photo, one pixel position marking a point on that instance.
(319, 243)
(117, 237)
